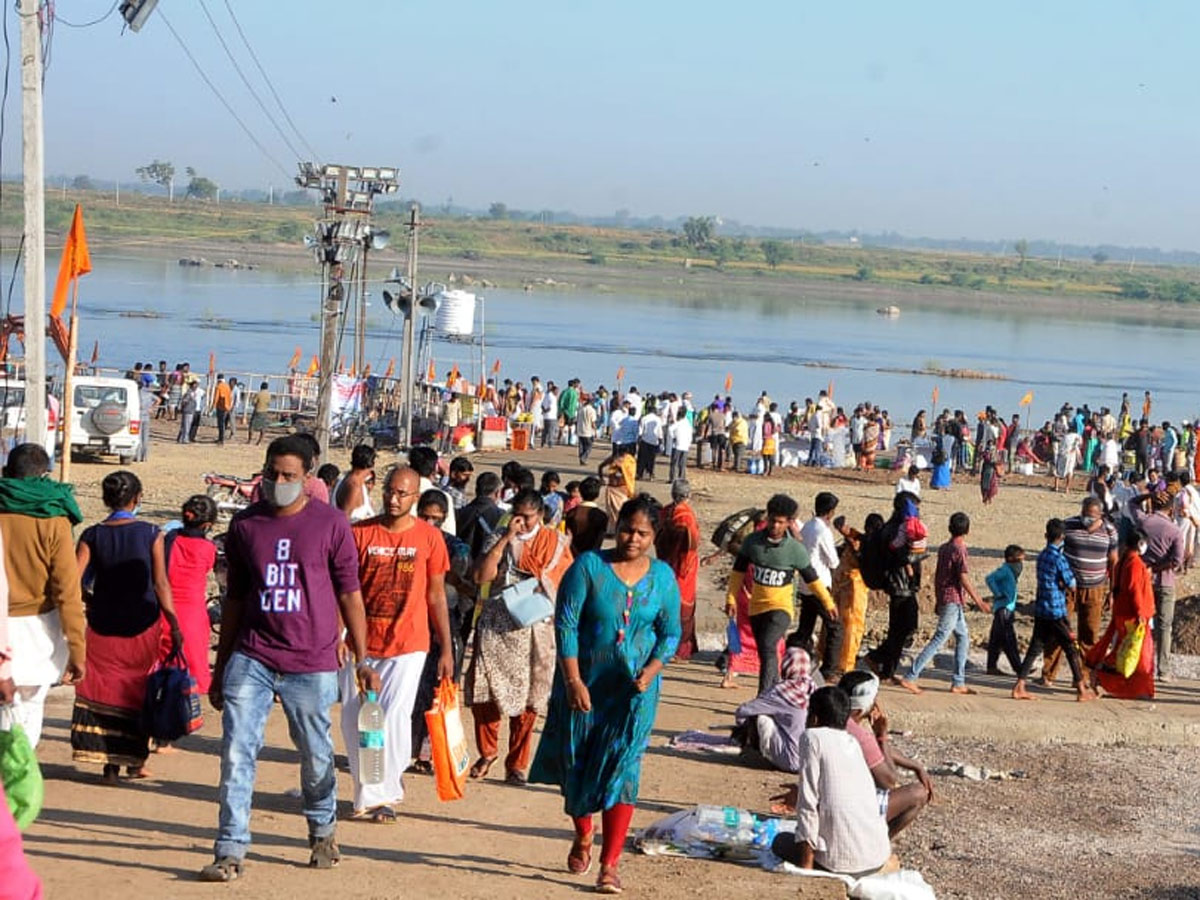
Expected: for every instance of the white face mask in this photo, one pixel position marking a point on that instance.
(1142, 548)
(528, 535)
(281, 494)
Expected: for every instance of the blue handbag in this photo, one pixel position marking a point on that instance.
(526, 603)
(733, 637)
(172, 706)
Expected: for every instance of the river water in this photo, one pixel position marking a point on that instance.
(253, 320)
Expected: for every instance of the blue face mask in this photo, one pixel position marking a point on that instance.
(1017, 567)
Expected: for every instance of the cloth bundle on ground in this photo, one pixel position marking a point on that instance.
(683, 834)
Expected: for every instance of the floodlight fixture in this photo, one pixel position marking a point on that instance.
(136, 12)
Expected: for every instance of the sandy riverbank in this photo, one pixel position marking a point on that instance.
(1094, 773)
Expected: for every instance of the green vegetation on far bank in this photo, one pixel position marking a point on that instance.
(144, 220)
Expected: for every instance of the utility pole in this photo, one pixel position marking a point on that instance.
(35, 225)
(348, 194)
(410, 363)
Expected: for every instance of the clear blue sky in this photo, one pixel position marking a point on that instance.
(1072, 121)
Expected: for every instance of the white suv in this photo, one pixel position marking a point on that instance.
(12, 414)
(106, 417)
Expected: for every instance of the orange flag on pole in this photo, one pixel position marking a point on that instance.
(391, 368)
(366, 370)
(314, 367)
(1027, 399)
(453, 376)
(76, 261)
(935, 396)
(212, 363)
(621, 374)
(351, 371)
(341, 365)
(829, 390)
(295, 360)
(431, 375)
(729, 382)
(496, 367)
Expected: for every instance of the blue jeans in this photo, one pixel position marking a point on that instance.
(950, 621)
(250, 689)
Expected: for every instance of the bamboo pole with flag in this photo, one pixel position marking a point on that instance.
(1027, 402)
(76, 261)
(95, 353)
(391, 368)
(295, 360)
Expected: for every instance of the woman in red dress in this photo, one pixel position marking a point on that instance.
(1133, 604)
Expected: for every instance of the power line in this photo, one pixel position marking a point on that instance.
(208, 81)
(314, 155)
(246, 82)
(3, 109)
(112, 9)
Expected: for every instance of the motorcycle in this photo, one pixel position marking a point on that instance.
(231, 492)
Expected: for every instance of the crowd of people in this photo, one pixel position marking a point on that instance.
(332, 594)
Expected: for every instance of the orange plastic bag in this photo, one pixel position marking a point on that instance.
(449, 752)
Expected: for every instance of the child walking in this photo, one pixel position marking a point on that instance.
(952, 586)
(1002, 582)
(1051, 627)
(190, 556)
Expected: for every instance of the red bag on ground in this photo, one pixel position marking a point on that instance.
(449, 752)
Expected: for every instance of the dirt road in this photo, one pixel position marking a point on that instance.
(1107, 806)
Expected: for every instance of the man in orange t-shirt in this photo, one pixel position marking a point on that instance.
(402, 564)
(222, 406)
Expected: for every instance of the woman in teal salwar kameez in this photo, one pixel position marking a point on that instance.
(617, 624)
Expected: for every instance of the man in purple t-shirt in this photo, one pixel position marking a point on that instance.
(292, 567)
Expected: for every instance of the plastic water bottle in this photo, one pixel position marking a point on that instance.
(370, 740)
(724, 825)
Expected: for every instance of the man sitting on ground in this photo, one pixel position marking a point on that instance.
(838, 825)
(869, 726)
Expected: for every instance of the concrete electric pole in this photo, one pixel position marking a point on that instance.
(35, 224)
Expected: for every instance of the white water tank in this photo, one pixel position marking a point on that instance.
(456, 313)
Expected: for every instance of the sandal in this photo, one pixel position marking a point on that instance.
(382, 815)
(482, 766)
(608, 882)
(227, 868)
(516, 778)
(421, 767)
(325, 853)
(579, 860)
(112, 775)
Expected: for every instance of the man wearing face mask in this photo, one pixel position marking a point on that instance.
(402, 563)
(293, 579)
(1090, 545)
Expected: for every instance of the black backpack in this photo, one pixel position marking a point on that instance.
(876, 559)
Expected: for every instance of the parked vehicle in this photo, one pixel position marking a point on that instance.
(12, 414)
(106, 417)
(231, 492)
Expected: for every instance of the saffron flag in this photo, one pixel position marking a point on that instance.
(453, 376)
(351, 371)
(314, 367)
(496, 367)
(621, 374)
(431, 375)
(829, 390)
(341, 365)
(935, 396)
(212, 363)
(295, 360)
(391, 369)
(482, 388)
(1027, 399)
(366, 370)
(729, 382)
(76, 261)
